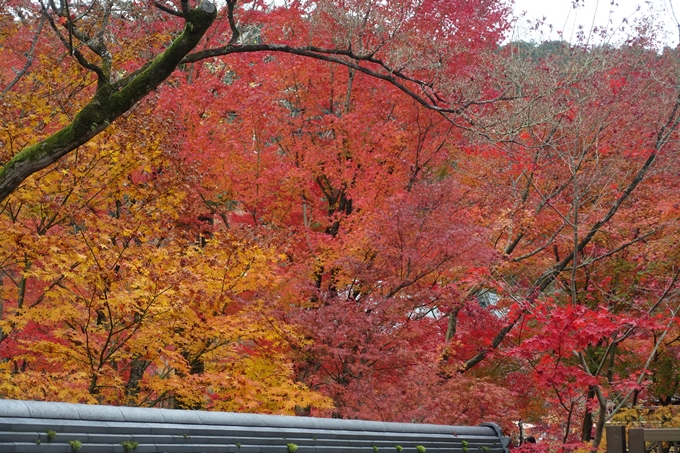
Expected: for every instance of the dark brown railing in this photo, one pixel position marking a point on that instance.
(642, 440)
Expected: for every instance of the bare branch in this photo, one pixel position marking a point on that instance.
(29, 58)
(544, 246)
(235, 34)
(101, 76)
(351, 60)
(167, 10)
(614, 251)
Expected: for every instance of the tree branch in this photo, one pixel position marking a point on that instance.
(167, 10)
(663, 136)
(350, 60)
(108, 103)
(235, 34)
(29, 59)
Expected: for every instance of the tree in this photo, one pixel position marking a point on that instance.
(583, 168)
(124, 79)
(367, 38)
(114, 292)
(357, 194)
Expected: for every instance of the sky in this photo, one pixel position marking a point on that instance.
(565, 18)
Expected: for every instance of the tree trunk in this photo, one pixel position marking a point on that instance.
(137, 369)
(587, 426)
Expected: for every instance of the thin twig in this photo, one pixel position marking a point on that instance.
(29, 59)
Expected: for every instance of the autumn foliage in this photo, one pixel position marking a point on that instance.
(353, 209)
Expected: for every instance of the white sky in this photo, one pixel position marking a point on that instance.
(564, 17)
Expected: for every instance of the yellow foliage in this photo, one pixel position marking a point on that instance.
(650, 417)
(111, 299)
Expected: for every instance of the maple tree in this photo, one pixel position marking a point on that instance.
(582, 226)
(385, 41)
(118, 343)
(133, 303)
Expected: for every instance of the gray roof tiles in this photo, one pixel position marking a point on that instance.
(101, 429)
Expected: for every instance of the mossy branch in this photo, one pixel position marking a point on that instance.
(108, 104)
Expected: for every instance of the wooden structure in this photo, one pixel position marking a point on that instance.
(30, 426)
(642, 440)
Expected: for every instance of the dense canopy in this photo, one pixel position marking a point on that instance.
(376, 210)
